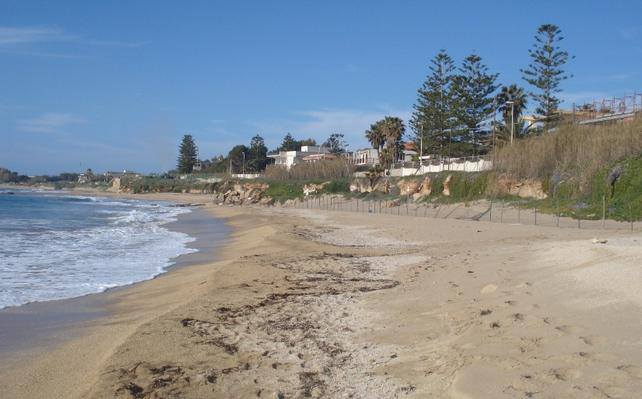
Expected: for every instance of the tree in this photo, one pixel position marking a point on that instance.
(376, 137)
(474, 88)
(435, 116)
(237, 157)
(517, 96)
(386, 136)
(288, 143)
(335, 143)
(311, 142)
(546, 71)
(187, 154)
(257, 154)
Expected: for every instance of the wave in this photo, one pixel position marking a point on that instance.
(130, 244)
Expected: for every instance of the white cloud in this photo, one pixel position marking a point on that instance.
(31, 41)
(50, 122)
(16, 36)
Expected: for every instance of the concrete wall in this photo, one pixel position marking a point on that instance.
(465, 166)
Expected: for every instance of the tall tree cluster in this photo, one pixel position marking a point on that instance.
(452, 106)
(291, 144)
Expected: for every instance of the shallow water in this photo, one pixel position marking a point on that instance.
(57, 245)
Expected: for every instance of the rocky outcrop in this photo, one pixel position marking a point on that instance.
(312, 188)
(243, 194)
(446, 191)
(424, 190)
(528, 188)
(408, 186)
(380, 184)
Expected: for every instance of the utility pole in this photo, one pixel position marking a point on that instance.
(421, 142)
(243, 162)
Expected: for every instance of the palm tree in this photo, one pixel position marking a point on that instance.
(386, 132)
(511, 98)
(376, 136)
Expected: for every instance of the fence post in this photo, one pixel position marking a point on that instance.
(490, 212)
(501, 213)
(535, 216)
(603, 211)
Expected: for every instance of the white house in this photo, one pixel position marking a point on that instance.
(365, 156)
(290, 158)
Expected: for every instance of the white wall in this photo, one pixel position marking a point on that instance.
(466, 166)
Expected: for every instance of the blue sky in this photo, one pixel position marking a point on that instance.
(114, 85)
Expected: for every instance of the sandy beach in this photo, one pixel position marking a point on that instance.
(309, 303)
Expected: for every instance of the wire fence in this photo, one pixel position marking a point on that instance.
(496, 211)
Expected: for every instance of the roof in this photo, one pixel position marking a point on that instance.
(409, 146)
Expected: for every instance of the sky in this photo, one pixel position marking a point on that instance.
(114, 85)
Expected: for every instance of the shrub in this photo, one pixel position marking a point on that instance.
(576, 152)
(326, 169)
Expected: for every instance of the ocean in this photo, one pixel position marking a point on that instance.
(55, 245)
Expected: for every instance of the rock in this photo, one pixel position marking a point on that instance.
(446, 191)
(408, 186)
(360, 186)
(393, 203)
(528, 188)
(424, 190)
(599, 241)
(382, 186)
(291, 203)
(312, 188)
(266, 201)
(115, 185)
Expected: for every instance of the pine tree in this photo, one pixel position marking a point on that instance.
(187, 154)
(288, 143)
(257, 154)
(546, 72)
(474, 88)
(237, 158)
(335, 143)
(434, 116)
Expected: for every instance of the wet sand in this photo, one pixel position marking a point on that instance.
(328, 304)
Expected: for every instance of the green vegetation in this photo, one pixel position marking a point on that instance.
(622, 200)
(282, 191)
(546, 72)
(572, 153)
(187, 155)
(386, 135)
(311, 171)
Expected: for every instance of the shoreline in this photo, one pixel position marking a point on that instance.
(41, 324)
(323, 304)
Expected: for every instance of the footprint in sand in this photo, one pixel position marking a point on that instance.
(631, 370)
(568, 329)
(593, 340)
(490, 288)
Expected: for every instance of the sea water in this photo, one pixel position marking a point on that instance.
(56, 245)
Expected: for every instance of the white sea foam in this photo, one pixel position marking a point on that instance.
(131, 244)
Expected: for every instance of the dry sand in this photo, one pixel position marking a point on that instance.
(331, 304)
